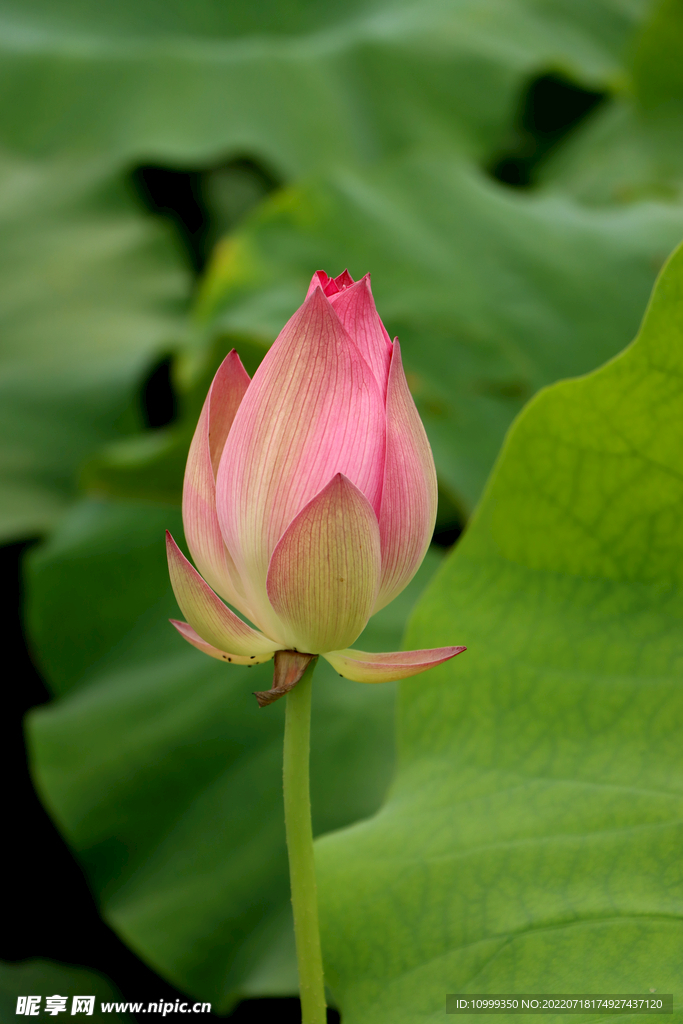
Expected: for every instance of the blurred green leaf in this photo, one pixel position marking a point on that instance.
(658, 85)
(657, 69)
(293, 84)
(614, 159)
(150, 466)
(48, 978)
(531, 841)
(91, 289)
(162, 771)
(493, 292)
(631, 147)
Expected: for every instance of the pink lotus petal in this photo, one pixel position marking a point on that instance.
(355, 307)
(312, 410)
(343, 280)
(366, 667)
(324, 573)
(227, 390)
(202, 531)
(408, 512)
(206, 613)
(187, 633)
(329, 285)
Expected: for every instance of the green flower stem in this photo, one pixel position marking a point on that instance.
(300, 848)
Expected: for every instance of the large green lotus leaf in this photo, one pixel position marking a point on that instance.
(493, 293)
(294, 84)
(91, 288)
(531, 840)
(47, 978)
(160, 768)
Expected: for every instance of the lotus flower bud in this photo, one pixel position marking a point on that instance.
(310, 495)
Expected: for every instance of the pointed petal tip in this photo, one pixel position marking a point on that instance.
(230, 361)
(230, 370)
(320, 279)
(388, 666)
(230, 357)
(193, 638)
(318, 292)
(316, 298)
(323, 281)
(343, 280)
(355, 306)
(330, 285)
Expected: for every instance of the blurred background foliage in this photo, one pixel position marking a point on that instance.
(510, 171)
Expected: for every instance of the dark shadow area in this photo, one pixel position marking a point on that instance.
(446, 537)
(550, 108)
(202, 203)
(450, 520)
(175, 195)
(158, 397)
